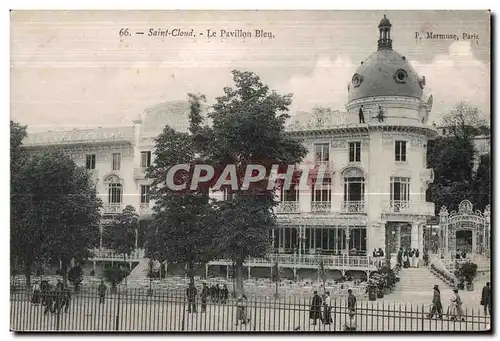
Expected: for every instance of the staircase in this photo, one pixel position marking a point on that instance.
(139, 275)
(416, 285)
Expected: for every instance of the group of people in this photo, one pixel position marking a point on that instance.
(217, 294)
(408, 258)
(378, 257)
(455, 309)
(325, 302)
(380, 115)
(54, 298)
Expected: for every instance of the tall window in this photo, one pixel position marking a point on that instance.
(145, 159)
(400, 189)
(322, 152)
(115, 193)
(90, 161)
(322, 192)
(116, 161)
(354, 151)
(354, 185)
(144, 194)
(289, 194)
(400, 151)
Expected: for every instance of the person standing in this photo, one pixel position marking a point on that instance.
(361, 115)
(315, 311)
(417, 257)
(437, 307)
(400, 257)
(380, 115)
(49, 299)
(327, 312)
(225, 294)
(191, 296)
(35, 300)
(456, 307)
(204, 295)
(101, 289)
(486, 298)
(351, 308)
(66, 297)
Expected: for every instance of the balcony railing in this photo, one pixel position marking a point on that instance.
(139, 173)
(288, 207)
(144, 208)
(408, 207)
(347, 262)
(106, 254)
(111, 208)
(353, 207)
(321, 206)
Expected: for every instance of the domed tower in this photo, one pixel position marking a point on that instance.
(389, 93)
(386, 78)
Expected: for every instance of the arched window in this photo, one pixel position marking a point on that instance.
(115, 189)
(354, 190)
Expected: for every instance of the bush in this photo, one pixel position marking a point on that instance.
(75, 276)
(115, 275)
(466, 272)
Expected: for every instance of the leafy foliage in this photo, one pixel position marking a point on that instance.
(249, 128)
(466, 272)
(75, 276)
(183, 225)
(121, 233)
(464, 121)
(55, 211)
(482, 183)
(115, 275)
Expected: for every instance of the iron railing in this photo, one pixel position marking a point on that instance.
(353, 206)
(110, 207)
(288, 207)
(321, 206)
(142, 310)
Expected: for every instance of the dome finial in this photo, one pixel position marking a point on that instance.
(384, 28)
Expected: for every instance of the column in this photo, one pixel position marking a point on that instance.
(421, 238)
(398, 237)
(474, 242)
(414, 235)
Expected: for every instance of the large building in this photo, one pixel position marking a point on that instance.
(372, 197)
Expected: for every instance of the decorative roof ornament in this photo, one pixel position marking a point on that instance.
(465, 207)
(385, 41)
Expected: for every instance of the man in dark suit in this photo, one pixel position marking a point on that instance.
(486, 299)
(361, 115)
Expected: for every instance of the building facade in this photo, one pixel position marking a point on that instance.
(372, 197)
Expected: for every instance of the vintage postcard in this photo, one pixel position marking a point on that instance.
(250, 171)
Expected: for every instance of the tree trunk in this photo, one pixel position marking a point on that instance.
(27, 274)
(125, 260)
(190, 272)
(239, 278)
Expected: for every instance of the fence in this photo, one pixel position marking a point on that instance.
(166, 312)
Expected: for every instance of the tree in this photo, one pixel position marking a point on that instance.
(249, 129)
(482, 183)
(451, 159)
(464, 121)
(55, 211)
(75, 276)
(183, 225)
(121, 233)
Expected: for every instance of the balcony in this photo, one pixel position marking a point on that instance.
(288, 207)
(112, 208)
(139, 173)
(321, 206)
(145, 209)
(353, 207)
(408, 207)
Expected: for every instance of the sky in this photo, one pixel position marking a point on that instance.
(71, 69)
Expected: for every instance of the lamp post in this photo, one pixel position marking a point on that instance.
(443, 225)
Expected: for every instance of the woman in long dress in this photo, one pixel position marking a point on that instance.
(455, 310)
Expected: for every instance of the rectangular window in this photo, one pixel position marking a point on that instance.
(144, 194)
(322, 192)
(289, 195)
(116, 161)
(400, 189)
(90, 161)
(354, 151)
(145, 159)
(400, 151)
(322, 152)
(115, 193)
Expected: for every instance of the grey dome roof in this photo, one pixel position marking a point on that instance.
(385, 73)
(384, 22)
